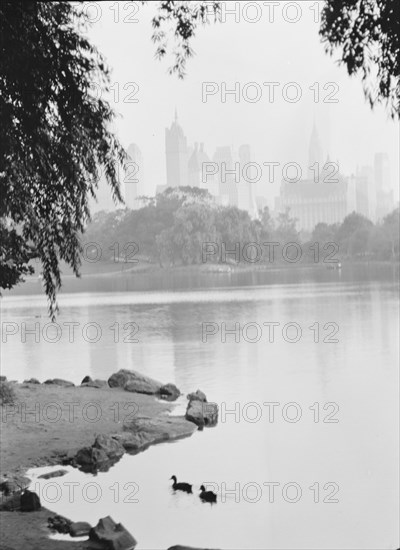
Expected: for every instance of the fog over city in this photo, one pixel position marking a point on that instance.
(242, 52)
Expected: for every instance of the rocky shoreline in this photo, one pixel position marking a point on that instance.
(51, 423)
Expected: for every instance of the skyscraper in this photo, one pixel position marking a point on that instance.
(314, 155)
(326, 196)
(177, 155)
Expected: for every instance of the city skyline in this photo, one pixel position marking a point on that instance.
(277, 131)
(231, 179)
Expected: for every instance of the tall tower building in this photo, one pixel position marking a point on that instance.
(314, 156)
(177, 155)
(133, 181)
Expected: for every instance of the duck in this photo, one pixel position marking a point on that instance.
(186, 487)
(207, 496)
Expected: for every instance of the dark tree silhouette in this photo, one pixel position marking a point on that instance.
(54, 135)
(368, 34)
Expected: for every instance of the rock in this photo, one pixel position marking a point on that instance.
(105, 452)
(133, 381)
(112, 535)
(202, 414)
(79, 529)
(56, 473)
(109, 445)
(86, 380)
(31, 381)
(60, 382)
(3, 378)
(179, 547)
(11, 503)
(197, 395)
(95, 384)
(59, 524)
(142, 432)
(30, 501)
(14, 484)
(169, 392)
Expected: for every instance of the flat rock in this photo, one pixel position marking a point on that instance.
(79, 529)
(60, 382)
(113, 535)
(142, 432)
(95, 384)
(56, 473)
(133, 381)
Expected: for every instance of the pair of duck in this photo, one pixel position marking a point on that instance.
(205, 496)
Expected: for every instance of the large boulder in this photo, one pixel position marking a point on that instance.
(133, 381)
(31, 381)
(169, 392)
(202, 413)
(111, 535)
(105, 452)
(30, 501)
(60, 382)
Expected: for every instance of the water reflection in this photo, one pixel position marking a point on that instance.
(359, 373)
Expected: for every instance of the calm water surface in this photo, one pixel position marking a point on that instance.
(357, 455)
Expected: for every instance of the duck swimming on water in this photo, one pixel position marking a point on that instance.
(207, 496)
(186, 487)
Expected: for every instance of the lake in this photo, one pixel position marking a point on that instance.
(305, 452)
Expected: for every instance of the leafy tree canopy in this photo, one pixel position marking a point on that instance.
(55, 136)
(367, 34)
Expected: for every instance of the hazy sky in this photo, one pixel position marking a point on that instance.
(244, 52)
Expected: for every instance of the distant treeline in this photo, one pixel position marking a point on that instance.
(174, 227)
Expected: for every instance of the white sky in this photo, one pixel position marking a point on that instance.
(240, 52)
